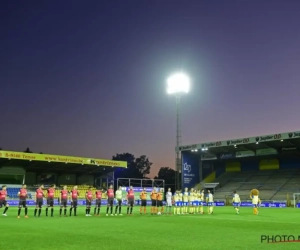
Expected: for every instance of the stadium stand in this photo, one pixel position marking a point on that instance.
(274, 185)
(12, 192)
(82, 189)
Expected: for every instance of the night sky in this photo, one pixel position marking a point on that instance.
(88, 78)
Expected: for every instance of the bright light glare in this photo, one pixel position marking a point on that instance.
(178, 83)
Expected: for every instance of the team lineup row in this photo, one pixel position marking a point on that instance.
(187, 202)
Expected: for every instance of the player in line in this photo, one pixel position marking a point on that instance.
(169, 202)
(50, 199)
(185, 201)
(198, 209)
(143, 197)
(130, 200)
(110, 200)
(89, 199)
(153, 201)
(177, 202)
(23, 195)
(201, 199)
(98, 194)
(3, 202)
(196, 202)
(210, 202)
(74, 200)
(63, 200)
(181, 209)
(119, 200)
(159, 203)
(39, 196)
(191, 200)
(236, 201)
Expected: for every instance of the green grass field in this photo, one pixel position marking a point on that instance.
(222, 230)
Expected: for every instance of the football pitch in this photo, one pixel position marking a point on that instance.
(222, 230)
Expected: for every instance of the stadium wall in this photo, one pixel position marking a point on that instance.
(67, 179)
(30, 178)
(233, 166)
(249, 164)
(207, 169)
(85, 180)
(47, 178)
(12, 175)
(289, 163)
(193, 177)
(209, 178)
(270, 164)
(12, 170)
(219, 168)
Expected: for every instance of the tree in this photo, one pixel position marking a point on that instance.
(137, 168)
(27, 150)
(169, 175)
(143, 165)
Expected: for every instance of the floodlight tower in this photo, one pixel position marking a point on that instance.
(178, 84)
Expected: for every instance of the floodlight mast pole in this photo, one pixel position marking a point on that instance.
(178, 84)
(178, 143)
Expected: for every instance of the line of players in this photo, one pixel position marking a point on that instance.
(65, 196)
(191, 202)
(187, 202)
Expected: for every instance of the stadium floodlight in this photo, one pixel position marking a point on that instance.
(178, 84)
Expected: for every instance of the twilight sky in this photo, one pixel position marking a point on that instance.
(88, 78)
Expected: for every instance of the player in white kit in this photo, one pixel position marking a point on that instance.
(236, 201)
(210, 201)
(169, 201)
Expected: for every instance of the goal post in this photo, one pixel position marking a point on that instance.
(295, 198)
(139, 184)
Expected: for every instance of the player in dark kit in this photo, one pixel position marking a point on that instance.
(3, 202)
(74, 196)
(22, 200)
(110, 200)
(63, 200)
(50, 199)
(89, 199)
(143, 197)
(130, 200)
(39, 195)
(98, 202)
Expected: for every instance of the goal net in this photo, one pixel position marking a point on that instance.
(296, 197)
